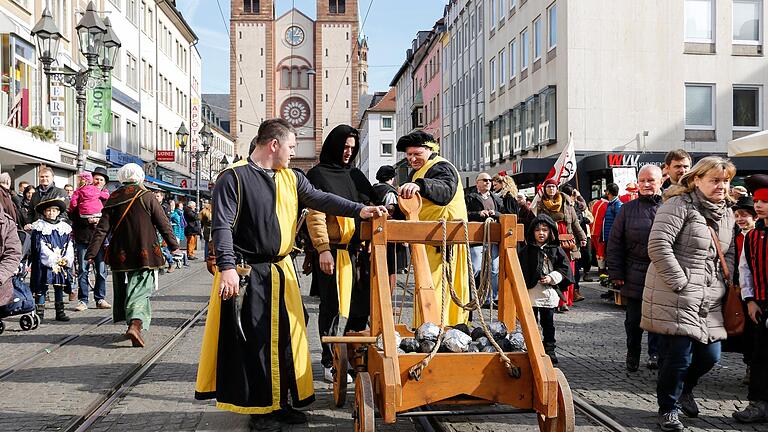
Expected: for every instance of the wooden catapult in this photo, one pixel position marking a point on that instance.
(383, 380)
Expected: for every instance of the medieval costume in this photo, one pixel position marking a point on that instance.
(346, 291)
(52, 256)
(443, 198)
(255, 356)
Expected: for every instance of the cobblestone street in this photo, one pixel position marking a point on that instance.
(50, 391)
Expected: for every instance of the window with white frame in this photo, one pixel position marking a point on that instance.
(117, 69)
(747, 21)
(502, 67)
(699, 21)
(746, 108)
(386, 147)
(116, 135)
(552, 26)
(537, 38)
(512, 59)
(132, 11)
(700, 106)
(131, 69)
(492, 14)
(386, 122)
(492, 71)
(524, 37)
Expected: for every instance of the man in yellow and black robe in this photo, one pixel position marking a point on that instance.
(437, 181)
(255, 358)
(342, 264)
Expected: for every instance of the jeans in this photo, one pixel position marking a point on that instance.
(167, 255)
(546, 317)
(635, 333)
(476, 253)
(682, 361)
(100, 289)
(58, 294)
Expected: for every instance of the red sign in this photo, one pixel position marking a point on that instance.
(165, 155)
(183, 184)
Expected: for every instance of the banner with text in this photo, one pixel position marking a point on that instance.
(99, 107)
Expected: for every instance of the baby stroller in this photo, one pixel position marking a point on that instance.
(22, 303)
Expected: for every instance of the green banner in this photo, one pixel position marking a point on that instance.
(99, 108)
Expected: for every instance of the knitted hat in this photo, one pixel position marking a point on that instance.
(548, 182)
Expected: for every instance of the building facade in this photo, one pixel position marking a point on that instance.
(378, 134)
(155, 86)
(305, 71)
(463, 97)
(428, 83)
(594, 69)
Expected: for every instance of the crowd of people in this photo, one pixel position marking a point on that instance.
(69, 237)
(672, 246)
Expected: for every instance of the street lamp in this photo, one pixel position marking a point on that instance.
(183, 135)
(98, 44)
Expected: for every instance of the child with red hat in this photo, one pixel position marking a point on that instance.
(753, 277)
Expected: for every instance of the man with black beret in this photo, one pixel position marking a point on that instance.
(437, 181)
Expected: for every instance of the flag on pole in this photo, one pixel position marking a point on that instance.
(99, 107)
(563, 171)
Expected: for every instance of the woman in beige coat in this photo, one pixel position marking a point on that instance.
(684, 286)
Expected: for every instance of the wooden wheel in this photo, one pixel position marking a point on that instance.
(339, 374)
(363, 414)
(566, 417)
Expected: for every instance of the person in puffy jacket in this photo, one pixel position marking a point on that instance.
(628, 260)
(684, 287)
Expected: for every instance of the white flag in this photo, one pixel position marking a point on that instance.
(563, 170)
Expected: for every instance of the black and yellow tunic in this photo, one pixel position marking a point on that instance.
(255, 212)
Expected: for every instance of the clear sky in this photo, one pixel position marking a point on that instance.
(390, 27)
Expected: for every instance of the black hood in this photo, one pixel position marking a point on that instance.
(333, 146)
(542, 218)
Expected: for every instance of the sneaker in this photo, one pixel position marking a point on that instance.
(328, 375)
(264, 423)
(633, 363)
(81, 306)
(290, 415)
(653, 362)
(670, 421)
(755, 412)
(688, 405)
(103, 304)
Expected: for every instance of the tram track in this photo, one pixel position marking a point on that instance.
(433, 422)
(54, 346)
(107, 400)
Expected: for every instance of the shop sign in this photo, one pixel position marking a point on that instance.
(58, 120)
(165, 155)
(622, 160)
(516, 168)
(119, 158)
(183, 183)
(194, 130)
(112, 173)
(168, 178)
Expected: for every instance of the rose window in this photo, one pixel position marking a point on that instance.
(295, 111)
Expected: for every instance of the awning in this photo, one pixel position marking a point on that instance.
(150, 181)
(750, 145)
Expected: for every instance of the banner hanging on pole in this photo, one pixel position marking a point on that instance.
(99, 107)
(563, 170)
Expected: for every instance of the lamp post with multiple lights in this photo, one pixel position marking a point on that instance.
(182, 135)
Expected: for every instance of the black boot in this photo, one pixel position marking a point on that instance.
(549, 349)
(60, 315)
(39, 308)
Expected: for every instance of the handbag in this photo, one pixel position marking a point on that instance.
(567, 242)
(733, 310)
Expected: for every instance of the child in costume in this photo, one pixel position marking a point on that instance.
(547, 273)
(52, 255)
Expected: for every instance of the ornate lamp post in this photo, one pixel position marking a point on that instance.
(98, 44)
(206, 135)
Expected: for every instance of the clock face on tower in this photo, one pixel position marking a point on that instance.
(295, 111)
(294, 35)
